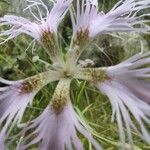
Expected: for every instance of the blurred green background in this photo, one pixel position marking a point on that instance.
(16, 62)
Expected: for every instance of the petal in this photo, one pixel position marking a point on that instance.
(123, 17)
(35, 29)
(128, 91)
(51, 130)
(17, 95)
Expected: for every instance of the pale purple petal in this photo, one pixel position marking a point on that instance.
(2, 140)
(57, 131)
(128, 91)
(12, 106)
(125, 16)
(42, 24)
(133, 75)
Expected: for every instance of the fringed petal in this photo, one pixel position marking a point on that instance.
(132, 74)
(44, 23)
(12, 106)
(57, 131)
(128, 91)
(18, 26)
(57, 13)
(125, 16)
(16, 96)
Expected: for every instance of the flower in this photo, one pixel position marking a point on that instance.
(126, 84)
(128, 92)
(123, 17)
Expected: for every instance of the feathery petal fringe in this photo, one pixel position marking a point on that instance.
(128, 92)
(57, 131)
(125, 16)
(12, 105)
(48, 22)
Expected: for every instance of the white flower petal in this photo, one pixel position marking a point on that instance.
(2, 139)
(133, 75)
